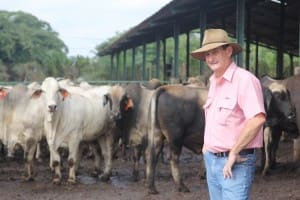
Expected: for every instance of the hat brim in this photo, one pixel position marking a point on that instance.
(200, 53)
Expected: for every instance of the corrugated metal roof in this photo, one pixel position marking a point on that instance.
(264, 22)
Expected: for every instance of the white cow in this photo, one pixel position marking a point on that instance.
(85, 85)
(21, 122)
(73, 118)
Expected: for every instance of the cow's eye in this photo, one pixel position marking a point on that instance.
(279, 96)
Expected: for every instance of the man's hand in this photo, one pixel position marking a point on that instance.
(232, 158)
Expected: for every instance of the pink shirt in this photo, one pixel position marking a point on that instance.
(236, 98)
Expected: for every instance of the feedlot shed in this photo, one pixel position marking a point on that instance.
(269, 23)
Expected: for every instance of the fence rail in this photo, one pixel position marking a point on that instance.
(107, 82)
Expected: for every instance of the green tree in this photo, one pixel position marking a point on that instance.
(26, 39)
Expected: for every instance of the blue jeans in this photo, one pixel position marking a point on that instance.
(235, 188)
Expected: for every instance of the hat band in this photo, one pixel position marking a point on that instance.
(215, 42)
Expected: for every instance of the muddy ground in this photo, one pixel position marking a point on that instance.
(282, 184)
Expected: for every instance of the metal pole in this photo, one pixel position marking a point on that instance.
(256, 57)
(202, 25)
(248, 31)
(176, 49)
(144, 62)
(292, 65)
(124, 65)
(187, 54)
(118, 64)
(240, 24)
(279, 67)
(157, 74)
(111, 66)
(164, 59)
(133, 71)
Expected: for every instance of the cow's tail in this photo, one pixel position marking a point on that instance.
(151, 152)
(153, 124)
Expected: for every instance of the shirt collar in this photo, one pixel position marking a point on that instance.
(228, 73)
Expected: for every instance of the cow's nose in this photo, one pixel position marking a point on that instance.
(52, 108)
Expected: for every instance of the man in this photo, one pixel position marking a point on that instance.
(234, 116)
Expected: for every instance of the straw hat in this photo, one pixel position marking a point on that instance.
(212, 39)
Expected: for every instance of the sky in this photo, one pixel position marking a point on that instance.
(83, 24)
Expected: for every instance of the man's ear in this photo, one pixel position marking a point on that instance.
(229, 50)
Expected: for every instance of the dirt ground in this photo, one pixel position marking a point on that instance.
(282, 184)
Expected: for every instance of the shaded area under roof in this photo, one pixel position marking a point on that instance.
(263, 26)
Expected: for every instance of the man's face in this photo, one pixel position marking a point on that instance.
(219, 59)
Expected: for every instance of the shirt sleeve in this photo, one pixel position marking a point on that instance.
(251, 97)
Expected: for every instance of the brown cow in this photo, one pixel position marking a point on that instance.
(280, 117)
(135, 121)
(293, 85)
(177, 116)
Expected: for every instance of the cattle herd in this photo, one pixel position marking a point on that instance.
(140, 117)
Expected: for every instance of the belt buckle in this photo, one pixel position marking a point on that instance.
(221, 154)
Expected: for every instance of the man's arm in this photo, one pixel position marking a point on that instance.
(249, 132)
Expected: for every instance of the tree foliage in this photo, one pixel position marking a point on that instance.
(26, 41)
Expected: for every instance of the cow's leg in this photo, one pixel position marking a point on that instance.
(266, 157)
(55, 164)
(296, 149)
(94, 147)
(137, 153)
(73, 159)
(29, 159)
(38, 152)
(82, 146)
(276, 135)
(174, 163)
(152, 153)
(106, 144)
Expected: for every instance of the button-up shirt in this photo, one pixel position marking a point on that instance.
(232, 100)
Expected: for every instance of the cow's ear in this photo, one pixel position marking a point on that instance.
(36, 94)
(64, 93)
(3, 93)
(107, 99)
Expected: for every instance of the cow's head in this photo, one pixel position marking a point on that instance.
(54, 94)
(118, 102)
(280, 110)
(282, 101)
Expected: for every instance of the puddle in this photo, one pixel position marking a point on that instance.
(86, 180)
(117, 182)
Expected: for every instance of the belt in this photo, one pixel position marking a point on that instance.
(242, 152)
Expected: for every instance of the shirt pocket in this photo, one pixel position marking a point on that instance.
(225, 109)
